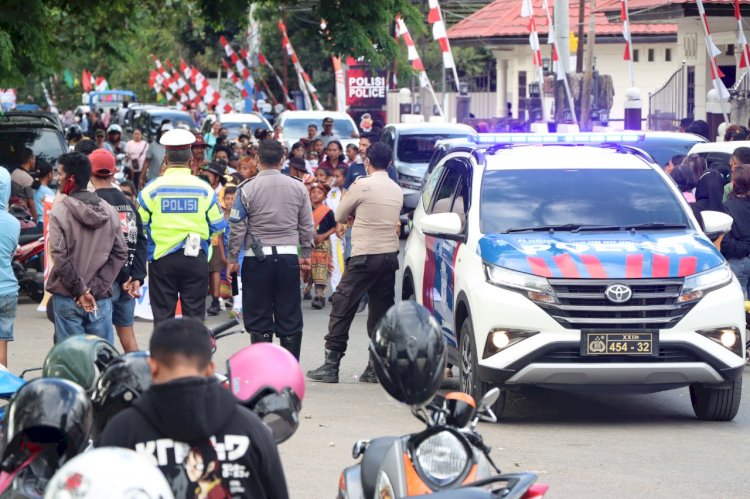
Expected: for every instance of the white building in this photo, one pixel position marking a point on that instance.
(499, 27)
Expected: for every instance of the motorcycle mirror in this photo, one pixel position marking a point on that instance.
(489, 399)
(359, 448)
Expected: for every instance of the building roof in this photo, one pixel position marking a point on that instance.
(663, 10)
(501, 20)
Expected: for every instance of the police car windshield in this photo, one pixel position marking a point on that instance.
(608, 199)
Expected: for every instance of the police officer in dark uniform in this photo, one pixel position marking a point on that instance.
(271, 217)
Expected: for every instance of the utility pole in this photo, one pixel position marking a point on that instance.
(581, 19)
(589, 75)
(285, 57)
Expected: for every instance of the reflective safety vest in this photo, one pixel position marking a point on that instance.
(175, 205)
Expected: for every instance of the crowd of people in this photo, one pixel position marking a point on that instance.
(185, 204)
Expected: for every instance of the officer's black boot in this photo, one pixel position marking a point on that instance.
(368, 376)
(329, 371)
(261, 337)
(292, 343)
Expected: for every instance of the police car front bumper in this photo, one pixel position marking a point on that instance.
(552, 355)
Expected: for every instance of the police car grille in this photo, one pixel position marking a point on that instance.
(583, 304)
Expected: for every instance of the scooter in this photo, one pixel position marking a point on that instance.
(449, 457)
(28, 267)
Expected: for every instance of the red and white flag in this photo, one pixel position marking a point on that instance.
(413, 57)
(309, 91)
(713, 51)
(741, 40)
(527, 11)
(245, 55)
(237, 61)
(559, 68)
(628, 54)
(186, 89)
(235, 80)
(435, 17)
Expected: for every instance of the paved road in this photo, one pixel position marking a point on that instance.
(582, 445)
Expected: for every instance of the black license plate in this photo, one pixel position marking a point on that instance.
(621, 343)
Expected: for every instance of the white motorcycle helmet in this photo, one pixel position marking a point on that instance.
(109, 472)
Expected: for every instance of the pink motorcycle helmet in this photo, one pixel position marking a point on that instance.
(255, 369)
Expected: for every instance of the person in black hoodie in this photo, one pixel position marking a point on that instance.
(127, 285)
(202, 439)
(709, 190)
(735, 246)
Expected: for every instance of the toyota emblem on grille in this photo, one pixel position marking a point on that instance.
(618, 293)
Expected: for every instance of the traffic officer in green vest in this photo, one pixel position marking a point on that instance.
(180, 212)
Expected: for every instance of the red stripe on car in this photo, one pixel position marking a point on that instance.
(566, 265)
(660, 266)
(634, 266)
(594, 266)
(688, 264)
(539, 266)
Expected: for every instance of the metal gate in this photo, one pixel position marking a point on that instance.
(674, 101)
(740, 100)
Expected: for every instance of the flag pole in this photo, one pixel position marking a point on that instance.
(713, 51)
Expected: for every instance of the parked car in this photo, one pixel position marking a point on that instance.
(108, 99)
(662, 146)
(294, 124)
(38, 131)
(544, 266)
(234, 123)
(149, 119)
(717, 154)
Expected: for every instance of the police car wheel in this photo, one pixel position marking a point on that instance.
(716, 404)
(469, 370)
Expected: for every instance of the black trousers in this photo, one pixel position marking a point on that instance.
(271, 301)
(371, 274)
(177, 274)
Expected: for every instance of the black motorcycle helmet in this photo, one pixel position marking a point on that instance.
(74, 132)
(407, 353)
(123, 381)
(49, 412)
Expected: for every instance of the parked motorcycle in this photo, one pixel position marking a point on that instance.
(449, 454)
(407, 354)
(28, 267)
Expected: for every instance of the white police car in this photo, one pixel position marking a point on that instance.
(572, 261)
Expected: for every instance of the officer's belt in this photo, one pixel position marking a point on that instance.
(276, 250)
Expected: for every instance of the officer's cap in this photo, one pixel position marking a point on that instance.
(177, 139)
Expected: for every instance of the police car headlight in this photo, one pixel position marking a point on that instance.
(442, 457)
(697, 285)
(536, 288)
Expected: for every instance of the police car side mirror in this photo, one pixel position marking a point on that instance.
(442, 225)
(716, 223)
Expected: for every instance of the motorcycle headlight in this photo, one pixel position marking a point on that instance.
(442, 457)
(697, 285)
(535, 288)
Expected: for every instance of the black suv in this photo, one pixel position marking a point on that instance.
(42, 132)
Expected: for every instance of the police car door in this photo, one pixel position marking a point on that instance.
(451, 195)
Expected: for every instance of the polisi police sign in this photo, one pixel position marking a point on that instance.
(365, 88)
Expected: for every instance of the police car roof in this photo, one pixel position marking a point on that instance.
(564, 157)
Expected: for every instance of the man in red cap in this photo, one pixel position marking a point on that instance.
(87, 248)
(127, 285)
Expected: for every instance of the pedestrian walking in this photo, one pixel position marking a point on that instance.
(135, 151)
(10, 230)
(321, 256)
(87, 250)
(735, 245)
(180, 213)
(127, 285)
(374, 258)
(270, 218)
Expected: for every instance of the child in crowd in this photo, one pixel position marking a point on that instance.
(44, 174)
(325, 226)
(311, 161)
(352, 154)
(323, 175)
(337, 245)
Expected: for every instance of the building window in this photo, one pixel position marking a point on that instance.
(635, 55)
(521, 93)
(668, 55)
(650, 55)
